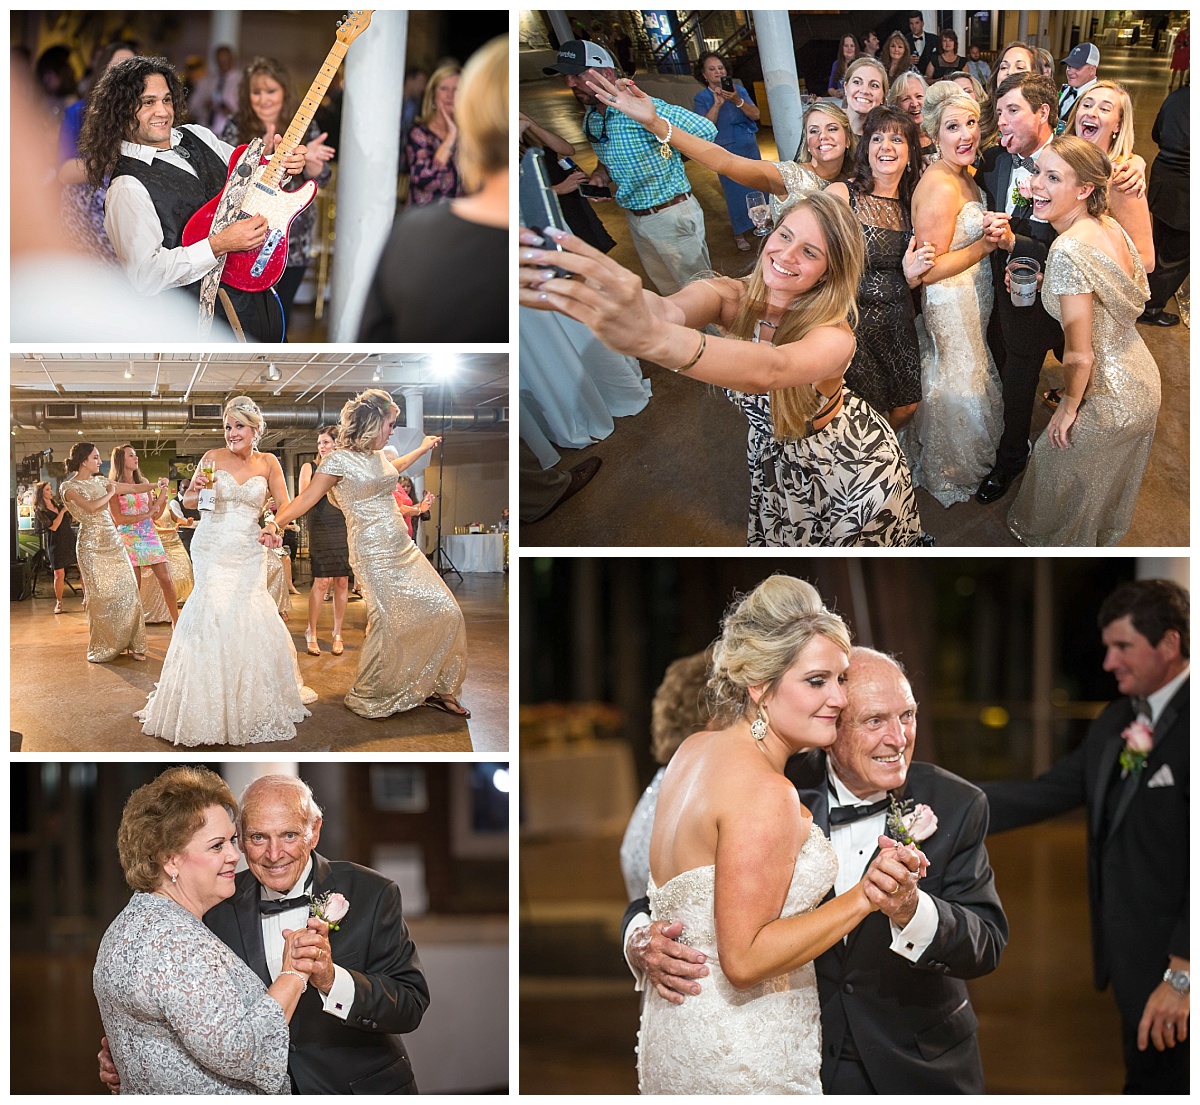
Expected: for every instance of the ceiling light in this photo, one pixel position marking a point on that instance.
(129, 371)
(272, 373)
(377, 377)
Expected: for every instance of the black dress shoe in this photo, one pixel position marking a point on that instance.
(1158, 318)
(995, 486)
(581, 475)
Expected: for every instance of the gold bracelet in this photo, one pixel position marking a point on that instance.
(699, 354)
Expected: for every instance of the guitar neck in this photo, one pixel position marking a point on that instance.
(273, 173)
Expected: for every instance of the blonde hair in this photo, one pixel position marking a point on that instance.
(832, 302)
(1090, 165)
(943, 95)
(362, 419)
(901, 86)
(481, 114)
(874, 63)
(976, 88)
(762, 634)
(429, 103)
(835, 112)
(1122, 140)
(248, 411)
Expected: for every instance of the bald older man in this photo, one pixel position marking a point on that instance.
(895, 1014)
(368, 986)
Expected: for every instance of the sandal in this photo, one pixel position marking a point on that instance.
(338, 648)
(448, 705)
(741, 243)
(312, 644)
(1052, 398)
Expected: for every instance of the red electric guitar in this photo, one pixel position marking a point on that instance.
(256, 270)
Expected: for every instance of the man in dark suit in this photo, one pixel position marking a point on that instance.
(1082, 64)
(1019, 337)
(367, 987)
(921, 46)
(895, 1014)
(1138, 830)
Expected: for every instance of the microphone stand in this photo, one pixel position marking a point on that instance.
(442, 563)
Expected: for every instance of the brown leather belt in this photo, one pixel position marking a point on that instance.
(662, 206)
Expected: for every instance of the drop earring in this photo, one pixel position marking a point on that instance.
(758, 727)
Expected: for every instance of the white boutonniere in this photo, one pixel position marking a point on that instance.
(330, 907)
(909, 823)
(1022, 194)
(1139, 740)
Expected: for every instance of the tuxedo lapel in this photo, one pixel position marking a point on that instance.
(245, 908)
(1162, 729)
(323, 881)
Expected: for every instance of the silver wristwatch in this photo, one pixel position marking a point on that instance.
(1179, 981)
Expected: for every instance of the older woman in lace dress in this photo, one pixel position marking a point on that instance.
(182, 1013)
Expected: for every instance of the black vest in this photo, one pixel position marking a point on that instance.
(177, 196)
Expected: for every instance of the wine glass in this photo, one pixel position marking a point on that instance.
(759, 211)
(206, 499)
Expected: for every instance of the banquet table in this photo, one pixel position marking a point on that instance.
(475, 552)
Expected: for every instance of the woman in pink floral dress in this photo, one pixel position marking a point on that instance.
(134, 514)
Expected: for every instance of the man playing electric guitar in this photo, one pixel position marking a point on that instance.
(159, 176)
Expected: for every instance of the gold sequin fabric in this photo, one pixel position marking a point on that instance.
(114, 608)
(416, 641)
(765, 1039)
(277, 581)
(1085, 495)
(179, 567)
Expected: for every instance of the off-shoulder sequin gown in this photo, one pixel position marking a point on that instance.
(230, 676)
(114, 608)
(416, 642)
(1085, 495)
(765, 1040)
(961, 416)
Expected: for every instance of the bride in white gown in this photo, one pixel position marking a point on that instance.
(736, 858)
(231, 676)
(961, 414)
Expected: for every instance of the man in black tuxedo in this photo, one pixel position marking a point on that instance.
(367, 987)
(1138, 831)
(921, 46)
(1019, 337)
(895, 1014)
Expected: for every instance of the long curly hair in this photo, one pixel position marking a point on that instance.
(889, 120)
(112, 109)
(249, 126)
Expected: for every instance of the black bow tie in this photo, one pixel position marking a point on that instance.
(1141, 708)
(845, 815)
(1020, 162)
(282, 905)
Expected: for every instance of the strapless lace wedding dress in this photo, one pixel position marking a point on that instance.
(765, 1040)
(230, 676)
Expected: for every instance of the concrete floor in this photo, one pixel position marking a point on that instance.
(61, 703)
(1043, 1029)
(675, 474)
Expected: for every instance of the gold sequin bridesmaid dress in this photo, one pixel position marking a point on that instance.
(1085, 495)
(416, 642)
(114, 607)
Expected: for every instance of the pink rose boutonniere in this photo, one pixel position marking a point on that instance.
(909, 823)
(330, 908)
(1139, 740)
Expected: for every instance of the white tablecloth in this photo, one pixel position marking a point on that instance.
(475, 552)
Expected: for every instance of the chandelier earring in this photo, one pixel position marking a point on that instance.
(758, 727)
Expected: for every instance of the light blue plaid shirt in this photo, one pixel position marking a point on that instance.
(631, 153)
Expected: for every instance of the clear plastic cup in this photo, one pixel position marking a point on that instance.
(1022, 280)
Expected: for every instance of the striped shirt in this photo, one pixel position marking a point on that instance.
(631, 153)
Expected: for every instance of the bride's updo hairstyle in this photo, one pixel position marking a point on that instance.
(161, 817)
(246, 410)
(362, 419)
(761, 635)
(943, 95)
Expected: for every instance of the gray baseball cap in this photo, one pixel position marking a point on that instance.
(1083, 54)
(577, 57)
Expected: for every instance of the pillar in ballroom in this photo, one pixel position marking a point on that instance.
(774, 31)
(225, 30)
(368, 163)
(414, 419)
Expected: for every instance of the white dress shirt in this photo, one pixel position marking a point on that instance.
(855, 844)
(1019, 174)
(1159, 699)
(132, 225)
(1068, 97)
(341, 993)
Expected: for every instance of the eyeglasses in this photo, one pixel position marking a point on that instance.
(589, 123)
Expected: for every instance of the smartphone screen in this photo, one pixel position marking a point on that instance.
(726, 84)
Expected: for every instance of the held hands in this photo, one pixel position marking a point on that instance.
(997, 232)
(605, 297)
(311, 945)
(669, 965)
(297, 956)
(890, 882)
(917, 260)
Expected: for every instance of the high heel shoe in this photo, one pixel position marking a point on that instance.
(313, 646)
(338, 648)
(58, 607)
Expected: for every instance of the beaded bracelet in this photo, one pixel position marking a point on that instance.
(297, 974)
(664, 144)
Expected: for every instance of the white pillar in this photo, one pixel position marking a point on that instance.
(1023, 25)
(774, 32)
(368, 161)
(994, 42)
(1174, 568)
(960, 29)
(226, 31)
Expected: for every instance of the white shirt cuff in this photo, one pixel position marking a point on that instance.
(341, 993)
(638, 921)
(912, 940)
